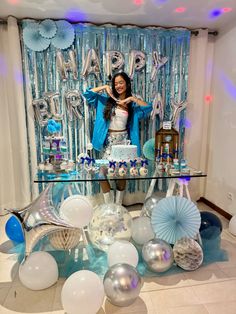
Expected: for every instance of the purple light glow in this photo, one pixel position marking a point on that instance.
(3, 66)
(229, 86)
(18, 76)
(75, 15)
(214, 14)
(187, 124)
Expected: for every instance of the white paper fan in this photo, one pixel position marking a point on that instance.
(174, 218)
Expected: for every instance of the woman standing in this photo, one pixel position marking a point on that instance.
(117, 121)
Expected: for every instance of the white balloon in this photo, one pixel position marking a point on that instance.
(142, 230)
(122, 251)
(232, 225)
(39, 271)
(77, 210)
(82, 292)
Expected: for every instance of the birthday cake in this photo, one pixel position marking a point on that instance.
(123, 152)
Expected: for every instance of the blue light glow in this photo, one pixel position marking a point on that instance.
(229, 86)
(75, 15)
(215, 13)
(3, 66)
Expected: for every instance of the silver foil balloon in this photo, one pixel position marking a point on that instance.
(114, 61)
(41, 111)
(64, 67)
(91, 65)
(74, 104)
(188, 254)
(137, 62)
(54, 104)
(39, 219)
(149, 204)
(158, 255)
(122, 284)
(110, 222)
(157, 63)
(177, 107)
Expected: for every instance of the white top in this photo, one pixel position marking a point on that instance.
(119, 120)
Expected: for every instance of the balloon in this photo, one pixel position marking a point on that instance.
(158, 255)
(39, 218)
(110, 222)
(64, 67)
(82, 292)
(122, 251)
(211, 225)
(39, 271)
(232, 225)
(91, 65)
(157, 63)
(53, 101)
(41, 112)
(142, 230)
(177, 107)
(77, 210)
(65, 239)
(149, 204)
(137, 62)
(74, 104)
(122, 284)
(114, 61)
(13, 230)
(188, 254)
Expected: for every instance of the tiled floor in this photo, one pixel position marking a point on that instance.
(210, 289)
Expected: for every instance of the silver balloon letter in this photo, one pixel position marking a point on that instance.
(41, 112)
(53, 101)
(64, 67)
(114, 61)
(91, 65)
(137, 62)
(74, 104)
(157, 63)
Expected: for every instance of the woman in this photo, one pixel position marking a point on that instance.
(117, 120)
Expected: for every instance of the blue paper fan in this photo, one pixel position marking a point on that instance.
(33, 39)
(149, 149)
(47, 28)
(65, 35)
(174, 218)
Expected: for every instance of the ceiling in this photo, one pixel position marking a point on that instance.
(196, 13)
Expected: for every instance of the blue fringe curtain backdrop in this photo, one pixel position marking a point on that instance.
(42, 76)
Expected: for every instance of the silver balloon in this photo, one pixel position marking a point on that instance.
(65, 239)
(149, 204)
(137, 62)
(114, 61)
(122, 284)
(53, 100)
(157, 62)
(188, 254)
(74, 104)
(91, 65)
(110, 222)
(39, 219)
(41, 111)
(158, 255)
(177, 107)
(64, 67)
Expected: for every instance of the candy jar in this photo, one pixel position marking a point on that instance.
(143, 171)
(133, 169)
(122, 168)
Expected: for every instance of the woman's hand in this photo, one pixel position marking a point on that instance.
(125, 101)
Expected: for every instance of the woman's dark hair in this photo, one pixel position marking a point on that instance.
(111, 103)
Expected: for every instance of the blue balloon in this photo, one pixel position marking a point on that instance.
(14, 230)
(211, 226)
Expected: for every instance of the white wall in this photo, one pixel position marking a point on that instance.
(221, 170)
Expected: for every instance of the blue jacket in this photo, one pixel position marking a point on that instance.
(101, 126)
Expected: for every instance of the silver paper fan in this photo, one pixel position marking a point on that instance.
(174, 218)
(65, 35)
(32, 38)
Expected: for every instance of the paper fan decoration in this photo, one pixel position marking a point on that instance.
(174, 218)
(47, 28)
(149, 149)
(65, 35)
(32, 38)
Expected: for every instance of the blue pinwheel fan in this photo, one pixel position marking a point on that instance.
(175, 217)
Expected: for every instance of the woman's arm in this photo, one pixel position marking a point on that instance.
(105, 88)
(137, 100)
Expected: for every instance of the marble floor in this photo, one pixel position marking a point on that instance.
(210, 289)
